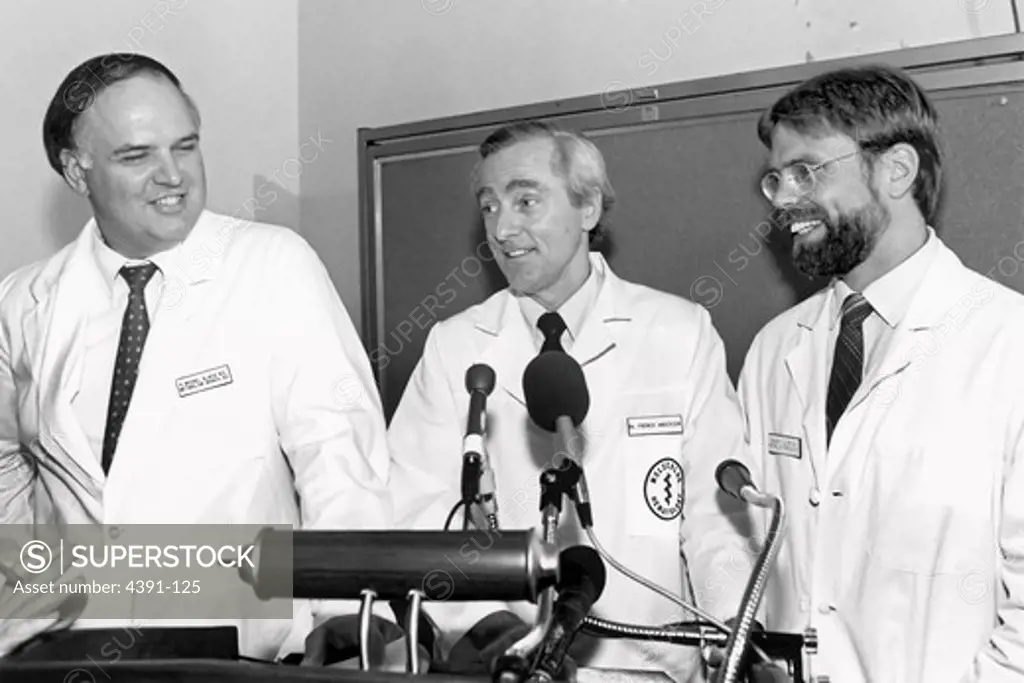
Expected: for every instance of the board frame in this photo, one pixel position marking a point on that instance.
(974, 62)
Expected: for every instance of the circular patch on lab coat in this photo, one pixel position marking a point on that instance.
(663, 489)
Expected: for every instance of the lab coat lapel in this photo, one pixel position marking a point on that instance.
(171, 341)
(805, 365)
(881, 384)
(512, 346)
(919, 335)
(54, 335)
(595, 351)
(879, 390)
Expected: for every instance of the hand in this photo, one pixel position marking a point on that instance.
(568, 671)
(17, 601)
(335, 643)
(518, 668)
(23, 614)
(394, 659)
(478, 652)
(757, 672)
(587, 675)
(761, 672)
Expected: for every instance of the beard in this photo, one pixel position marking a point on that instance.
(845, 244)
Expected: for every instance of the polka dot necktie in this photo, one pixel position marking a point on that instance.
(552, 325)
(134, 329)
(848, 363)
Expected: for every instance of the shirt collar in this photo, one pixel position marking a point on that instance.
(110, 262)
(574, 311)
(891, 294)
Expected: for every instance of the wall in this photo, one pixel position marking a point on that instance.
(379, 63)
(238, 59)
(284, 85)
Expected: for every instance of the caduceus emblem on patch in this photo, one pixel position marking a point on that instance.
(663, 489)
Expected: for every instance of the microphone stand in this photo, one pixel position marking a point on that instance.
(513, 667)
(738, 639)
(790, 647)
(472, 468)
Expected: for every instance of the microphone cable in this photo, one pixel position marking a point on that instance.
(452, 513)
(650, 585)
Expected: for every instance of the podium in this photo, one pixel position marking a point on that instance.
(201, 671)
(163, 655)
(201, 655)
(331, 565)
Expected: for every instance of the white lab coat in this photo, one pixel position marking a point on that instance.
(297, 438)
(645, 354)
(904, 544)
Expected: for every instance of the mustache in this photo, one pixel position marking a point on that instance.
(785, 216)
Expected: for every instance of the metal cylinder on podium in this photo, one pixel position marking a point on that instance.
(442, 565)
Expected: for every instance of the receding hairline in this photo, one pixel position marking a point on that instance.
(121, 84)
(555, 163)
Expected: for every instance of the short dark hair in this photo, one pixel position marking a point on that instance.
(878, 107)
(82, 86)
(576, 160)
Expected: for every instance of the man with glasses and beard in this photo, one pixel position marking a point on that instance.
(884, 409)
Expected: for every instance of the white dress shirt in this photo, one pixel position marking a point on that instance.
(103, 332)
(574, 311)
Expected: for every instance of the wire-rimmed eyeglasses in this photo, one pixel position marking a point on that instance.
(801, 175)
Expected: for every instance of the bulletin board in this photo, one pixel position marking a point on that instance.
(684, 160)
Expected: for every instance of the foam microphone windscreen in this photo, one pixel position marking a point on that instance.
(732, 476)
(554, 385)
(480, 377)
(581, 567)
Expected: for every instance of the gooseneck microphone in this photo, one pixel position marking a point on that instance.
(478, 485)
(557, 400)
(581, 581)
(733, 477)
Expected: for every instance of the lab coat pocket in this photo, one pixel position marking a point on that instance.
(934, 521)
(912, 539)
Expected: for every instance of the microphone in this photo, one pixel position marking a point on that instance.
(581, 581)
(733, 477)
(557, 400)
(554, 386)
(477, 476)
(445, 565)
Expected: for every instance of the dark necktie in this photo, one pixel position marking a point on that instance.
(848, 363)
(134, 329)
(552, 325)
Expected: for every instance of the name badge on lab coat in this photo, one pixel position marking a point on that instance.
(203, 381)
(647, 425)
(783, 444)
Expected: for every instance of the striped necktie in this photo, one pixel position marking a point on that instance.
(848, 362)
